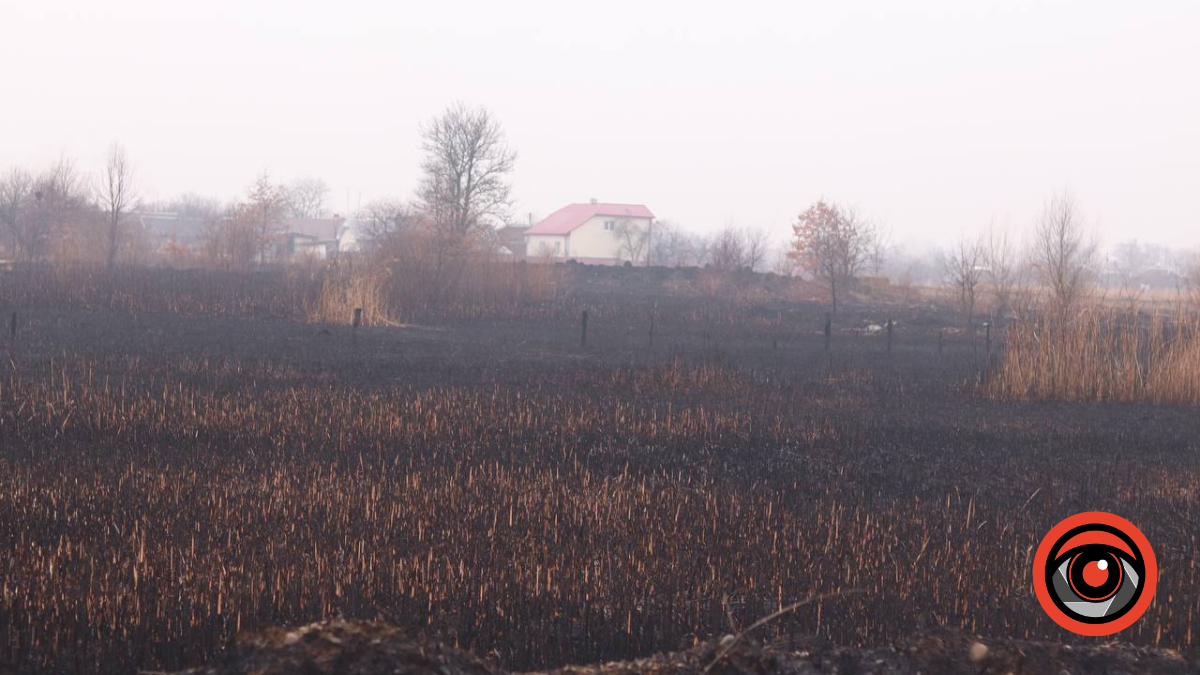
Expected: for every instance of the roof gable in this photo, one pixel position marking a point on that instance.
(570, 217)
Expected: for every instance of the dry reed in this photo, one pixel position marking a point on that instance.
(1102, 355)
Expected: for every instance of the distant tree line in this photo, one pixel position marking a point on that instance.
(450, 222)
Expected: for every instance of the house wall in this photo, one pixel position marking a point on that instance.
(534, 244)
(591, 240)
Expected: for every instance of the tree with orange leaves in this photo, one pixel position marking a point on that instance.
(832, 243)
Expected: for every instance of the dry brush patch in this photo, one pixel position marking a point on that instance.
(1102, 355)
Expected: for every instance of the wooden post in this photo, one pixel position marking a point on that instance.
(828, 329)
(357, 317)
(941, 339)
(889, 337)
(583, 331)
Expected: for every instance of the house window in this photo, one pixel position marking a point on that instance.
(610, 225)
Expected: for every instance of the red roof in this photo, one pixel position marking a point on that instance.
(566, 219)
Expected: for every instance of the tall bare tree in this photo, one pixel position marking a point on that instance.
(1129, 260)
(466, 184)
(671, 246)
(1063, 253)
(58, 213)
(393, 228)
(1003, 271)
(832, 243)
(263, 212)
(191, 205)
(231, 238)
(115, 195)
(634, 241)
(307, 198)
(386, 218)
(727, 249)
(877, 250)
(16, 191)
(757, 245)
(963, 266)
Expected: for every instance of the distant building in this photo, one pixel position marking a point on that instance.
(308, 238)
(165, 232)
(354, 236)
(596, 233)
(512, 239)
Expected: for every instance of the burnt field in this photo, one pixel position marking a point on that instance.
(171, 474)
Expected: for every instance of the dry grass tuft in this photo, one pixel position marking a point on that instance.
(344, 290)
(1102, 355)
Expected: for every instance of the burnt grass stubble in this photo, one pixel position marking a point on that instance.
(170, 480)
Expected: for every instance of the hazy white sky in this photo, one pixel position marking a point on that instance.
(932, 117)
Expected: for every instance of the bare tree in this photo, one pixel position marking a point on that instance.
(1130, 259)
(674, 247)
(466, 182)
(190, 205)
(16, 191)
(115, 195)
(877, 250)
(1063, 253)
(964, 271)
(757, 246)
(727, 249)
(394, 229)
(634, 240)
(666, 244)
(784, 263)
(307, 198)
(58, 212)
(231, 239)
(1003, 271)
(387, 218)
(263, 213)
(832, 243)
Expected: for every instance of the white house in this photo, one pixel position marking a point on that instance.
(595, 233)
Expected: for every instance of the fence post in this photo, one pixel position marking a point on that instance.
(357, 317)
(828, 329)
(583, 331)
(889, 337)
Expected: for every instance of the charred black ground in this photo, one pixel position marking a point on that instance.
(169, 479)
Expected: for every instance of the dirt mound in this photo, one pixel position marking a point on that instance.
(374, 649)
